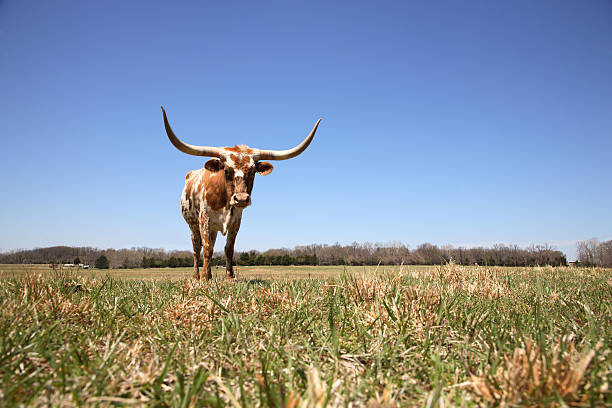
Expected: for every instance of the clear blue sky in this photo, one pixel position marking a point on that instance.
(464, 123)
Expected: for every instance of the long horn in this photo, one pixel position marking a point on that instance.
(287, 154)
(187, 148)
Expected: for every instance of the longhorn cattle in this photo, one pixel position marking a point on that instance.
(215, 196)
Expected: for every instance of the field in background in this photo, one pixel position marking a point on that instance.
(386, 336)
(242, 272)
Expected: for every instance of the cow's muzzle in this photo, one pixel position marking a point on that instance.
(241, 200)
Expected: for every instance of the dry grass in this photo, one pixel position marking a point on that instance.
(527, 375)
(379, 337)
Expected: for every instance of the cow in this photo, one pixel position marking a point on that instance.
(215, 196)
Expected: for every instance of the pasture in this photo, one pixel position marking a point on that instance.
(307, 336)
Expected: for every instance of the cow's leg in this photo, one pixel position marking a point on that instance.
(208, 244)
(209, 248)
(196, 241)
(232, 231)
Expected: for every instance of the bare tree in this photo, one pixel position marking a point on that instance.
(593, 253)
(587, 251)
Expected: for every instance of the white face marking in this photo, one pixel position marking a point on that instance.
(238, 173)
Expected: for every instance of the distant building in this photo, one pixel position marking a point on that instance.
(71, 265)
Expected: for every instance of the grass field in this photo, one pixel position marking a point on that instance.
(242, 272)
(307, 336)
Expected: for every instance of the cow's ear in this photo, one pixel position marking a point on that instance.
(264, 168)
(213, 165)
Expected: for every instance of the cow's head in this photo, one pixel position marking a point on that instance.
(239, 163)
(238, 166)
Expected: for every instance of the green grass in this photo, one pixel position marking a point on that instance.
(307, 336)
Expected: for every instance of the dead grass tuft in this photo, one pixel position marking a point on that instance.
(192, 312)
(529, 375)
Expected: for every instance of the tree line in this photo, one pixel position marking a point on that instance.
(117, 258)
(394, 253)
(594, 253)
(397, 253)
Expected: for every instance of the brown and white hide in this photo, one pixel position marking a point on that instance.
(213, 200)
